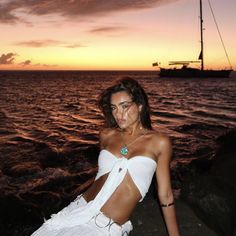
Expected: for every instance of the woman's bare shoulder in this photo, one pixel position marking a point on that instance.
(107, 131)
(105, 135)
(160, 143)
(158, 138)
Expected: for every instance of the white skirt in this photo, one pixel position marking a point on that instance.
(99, 225)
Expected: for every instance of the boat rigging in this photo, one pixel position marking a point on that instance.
(186, 71)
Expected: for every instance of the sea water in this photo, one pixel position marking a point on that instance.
(50, 121)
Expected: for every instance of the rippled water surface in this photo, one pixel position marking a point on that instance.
(49, 123)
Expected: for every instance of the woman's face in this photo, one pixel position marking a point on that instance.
(124, 110)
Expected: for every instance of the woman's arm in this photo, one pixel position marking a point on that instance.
(165, 193)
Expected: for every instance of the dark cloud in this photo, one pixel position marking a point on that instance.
(7, 58)
(74, 46)
(39, 43)
(106, 29)
(26, 63)
(47, 43)
(70, 8)
(39, 65)
(6, 12)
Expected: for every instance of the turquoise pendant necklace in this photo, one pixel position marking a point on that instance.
(124, 150)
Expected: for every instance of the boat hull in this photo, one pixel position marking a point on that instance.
(194, 73)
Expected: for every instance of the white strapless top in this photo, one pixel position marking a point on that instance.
(140, 168)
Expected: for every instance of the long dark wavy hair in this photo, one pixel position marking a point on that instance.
(138, 95)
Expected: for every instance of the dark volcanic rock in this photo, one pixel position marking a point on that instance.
(212, 193)
(34, 189)
(17, 217)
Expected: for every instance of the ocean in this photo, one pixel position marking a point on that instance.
(49, 125)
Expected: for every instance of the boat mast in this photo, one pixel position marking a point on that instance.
(201, 57)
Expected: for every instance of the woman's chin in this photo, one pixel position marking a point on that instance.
(122, 126)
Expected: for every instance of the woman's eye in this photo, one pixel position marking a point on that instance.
(125, 106)
(113, 108)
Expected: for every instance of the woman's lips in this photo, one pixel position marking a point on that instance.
(121, 121)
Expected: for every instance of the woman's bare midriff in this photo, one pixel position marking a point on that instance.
(122, 202)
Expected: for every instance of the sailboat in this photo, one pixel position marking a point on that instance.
(188, 72)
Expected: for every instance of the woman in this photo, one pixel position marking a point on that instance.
(131, 152)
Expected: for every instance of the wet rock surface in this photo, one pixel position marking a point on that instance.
(148, 221)
(211, 193)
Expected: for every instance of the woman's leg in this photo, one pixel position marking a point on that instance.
(99, 225)
(45, 229)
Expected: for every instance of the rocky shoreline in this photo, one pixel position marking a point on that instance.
(211, 193)
(147, 220)
(205, 207)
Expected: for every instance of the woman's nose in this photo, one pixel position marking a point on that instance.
(119, 113)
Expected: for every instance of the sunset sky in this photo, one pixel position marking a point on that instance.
(112, 34)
